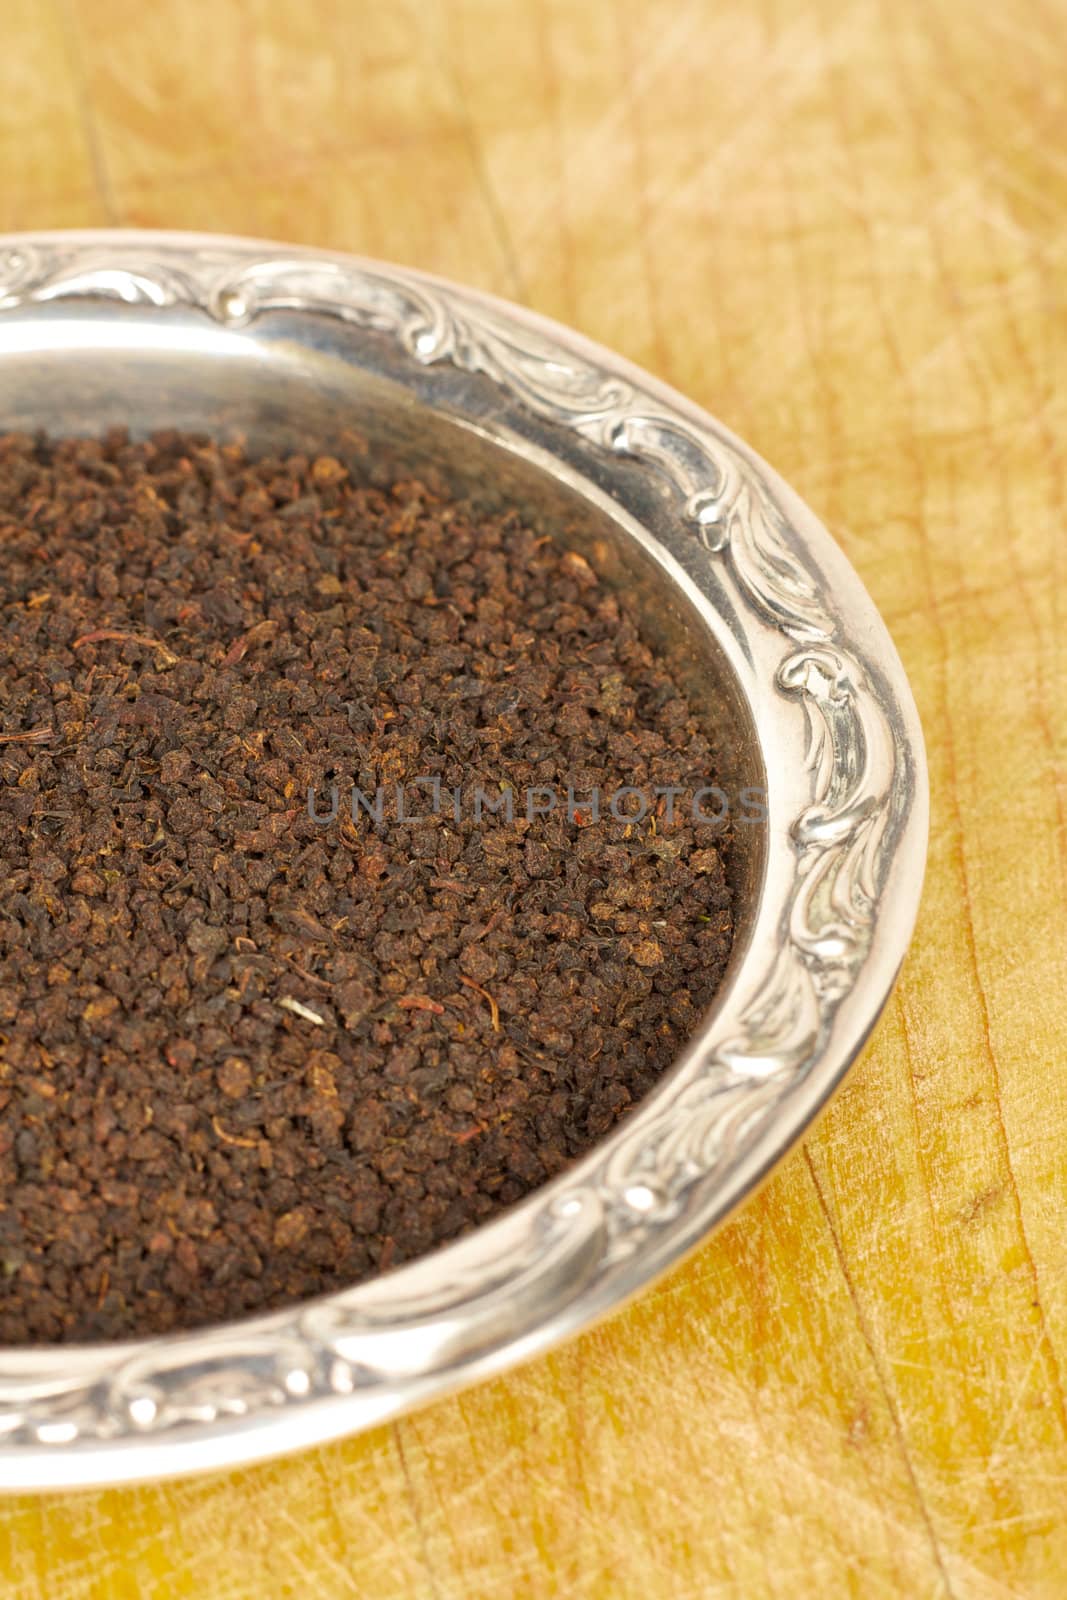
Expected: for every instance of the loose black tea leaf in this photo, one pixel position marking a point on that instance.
(256, 1045)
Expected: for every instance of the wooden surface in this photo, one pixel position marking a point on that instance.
(840, 225)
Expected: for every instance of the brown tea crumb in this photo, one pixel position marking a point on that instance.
(251, 1051)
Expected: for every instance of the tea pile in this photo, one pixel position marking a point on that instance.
(248, 1054)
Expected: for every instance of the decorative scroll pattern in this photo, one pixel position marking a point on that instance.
(645, 1174)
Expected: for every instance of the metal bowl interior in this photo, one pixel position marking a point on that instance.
(757, 611)
(281, 386)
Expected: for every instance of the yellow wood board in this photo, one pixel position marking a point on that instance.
(840, 225)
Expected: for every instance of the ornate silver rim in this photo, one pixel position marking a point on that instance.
(846, 846)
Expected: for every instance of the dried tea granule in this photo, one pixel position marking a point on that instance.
(248, 1055)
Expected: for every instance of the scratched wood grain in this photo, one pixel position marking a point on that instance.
(841, 225)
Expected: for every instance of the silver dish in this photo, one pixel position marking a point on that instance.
(750, 598)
